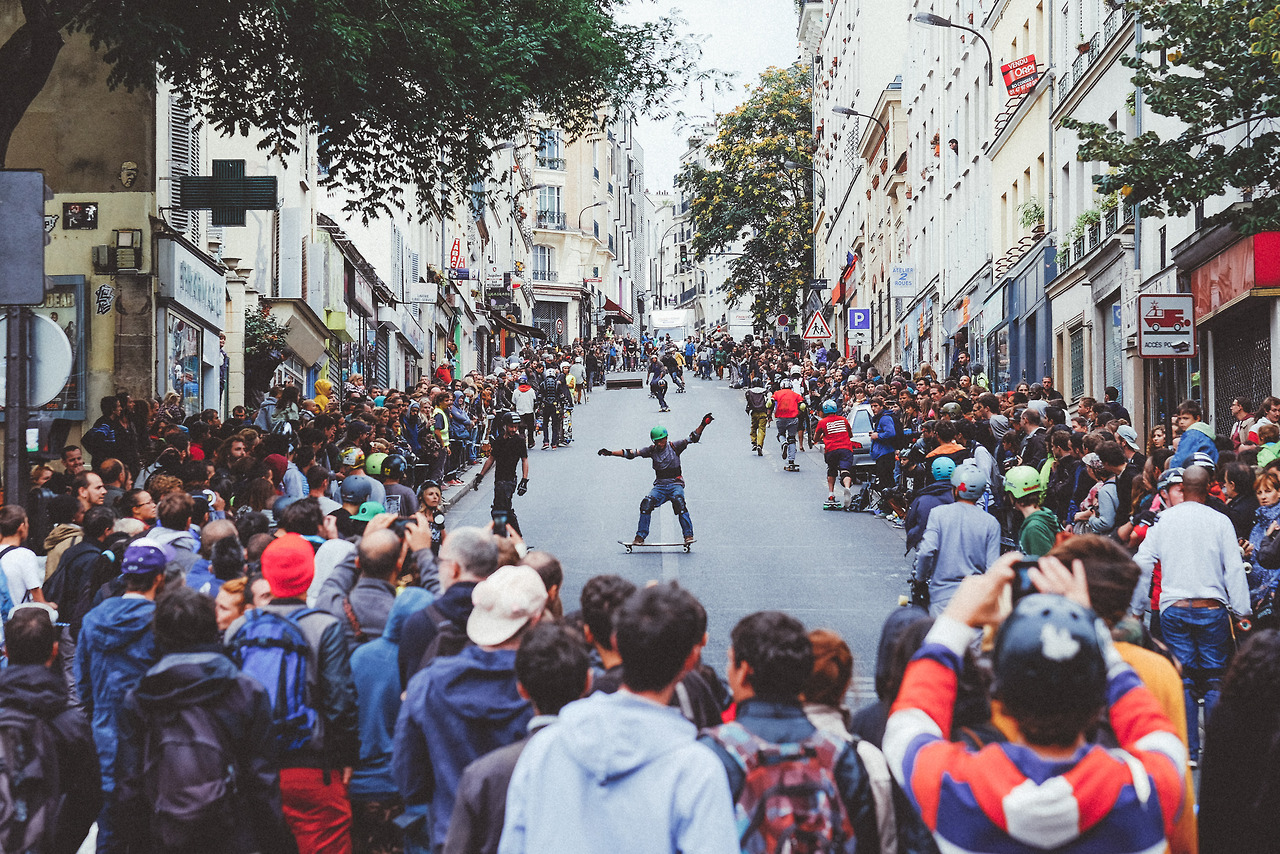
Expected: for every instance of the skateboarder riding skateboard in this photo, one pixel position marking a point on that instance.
(668, 483)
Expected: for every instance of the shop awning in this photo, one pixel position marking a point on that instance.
(612, 309)
(520, 329)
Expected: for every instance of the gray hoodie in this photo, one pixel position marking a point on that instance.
(185, 548)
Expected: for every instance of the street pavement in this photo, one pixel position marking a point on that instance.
(763, 539)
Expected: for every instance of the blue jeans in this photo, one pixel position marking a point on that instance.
(1200, 638)
(659, 495)
(788, 428)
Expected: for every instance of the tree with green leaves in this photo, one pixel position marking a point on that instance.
(406, 94)
(1199, 63)
(747, 194)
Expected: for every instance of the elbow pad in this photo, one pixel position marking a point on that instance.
(693, 437)
(629, 454)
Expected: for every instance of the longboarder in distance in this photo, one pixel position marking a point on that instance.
(668, 483)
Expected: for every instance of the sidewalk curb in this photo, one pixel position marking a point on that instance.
(454, 494)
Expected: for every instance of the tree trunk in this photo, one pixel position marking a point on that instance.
(26, 61)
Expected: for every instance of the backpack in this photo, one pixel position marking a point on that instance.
(6, 601)
(30, 791)
(757, 401)
(189, 779)
(273, 650)
(449, 639)
(789, 803)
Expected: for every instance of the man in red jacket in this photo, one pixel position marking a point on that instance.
(787, 405)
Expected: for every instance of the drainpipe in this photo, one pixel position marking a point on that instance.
(1051, 178)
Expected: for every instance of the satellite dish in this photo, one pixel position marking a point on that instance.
(49, 365)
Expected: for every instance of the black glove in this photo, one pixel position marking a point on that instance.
(707, 419)
(523, 487)
(605, 452)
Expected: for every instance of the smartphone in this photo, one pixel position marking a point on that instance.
(500, 523)
(1022, 584)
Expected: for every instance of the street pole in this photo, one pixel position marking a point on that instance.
(15, 406)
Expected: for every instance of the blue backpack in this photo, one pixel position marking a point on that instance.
(273, 650)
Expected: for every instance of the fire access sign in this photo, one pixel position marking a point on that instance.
(1166, 326)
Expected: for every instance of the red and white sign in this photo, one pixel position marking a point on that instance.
(1020, 75)
(1166, 326)
(455, 254)
(783, 320)
(817, 328)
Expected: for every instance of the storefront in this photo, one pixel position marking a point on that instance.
(190, 317)
(1030, 333)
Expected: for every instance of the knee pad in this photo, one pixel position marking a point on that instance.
(678, 506)
(646, 505)
(845, 474)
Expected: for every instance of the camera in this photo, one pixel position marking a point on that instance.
(1022, 584)
(400, 527)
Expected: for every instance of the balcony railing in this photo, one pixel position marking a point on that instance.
(551, 219)
(546, 275)
(550, 162)
(1112, 221)
(1111, 28)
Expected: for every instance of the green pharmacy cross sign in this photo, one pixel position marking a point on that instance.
(227, 193)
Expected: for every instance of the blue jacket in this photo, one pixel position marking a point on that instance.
(1197, 437)
(115, 649)
(934, 495)
(377, 679)
(884, 427)
(456, 710)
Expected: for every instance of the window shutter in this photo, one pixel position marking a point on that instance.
(179, 158)
(275, 253)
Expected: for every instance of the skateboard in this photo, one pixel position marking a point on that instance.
(629, 546)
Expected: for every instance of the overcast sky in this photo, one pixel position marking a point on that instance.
(745, 36)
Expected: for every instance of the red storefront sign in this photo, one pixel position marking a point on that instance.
(1248, 264)
(1020, 75)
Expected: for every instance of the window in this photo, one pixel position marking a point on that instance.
(549, 199)
(550, 152)
(544, 264)
(1077, 363)
(184, 160)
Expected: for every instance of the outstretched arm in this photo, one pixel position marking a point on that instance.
(605, 452)
(696, 435)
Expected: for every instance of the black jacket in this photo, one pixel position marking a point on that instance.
(42, 692)
(241, 707)
(418, 631)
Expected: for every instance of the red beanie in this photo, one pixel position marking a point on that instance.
(288, 565)
(277, 464)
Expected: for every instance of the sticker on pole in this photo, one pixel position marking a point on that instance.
(1166, 326)
(817, 329)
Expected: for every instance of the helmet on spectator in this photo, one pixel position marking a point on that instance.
(1048, 658)
(373, 465)
(953, 411)
(395, 465)
(1021, 481)
(352, 456)
(942, 468)
(969, 481)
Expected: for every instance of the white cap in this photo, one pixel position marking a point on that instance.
(503, 603)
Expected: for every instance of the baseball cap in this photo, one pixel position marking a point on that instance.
(145, 557)
(503, 603)
(1170, 478)
(368, 510)
(356, 489)
(288, 565)
(1129, 436)
(1094, 462)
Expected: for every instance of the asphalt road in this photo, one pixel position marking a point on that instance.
(763, 539)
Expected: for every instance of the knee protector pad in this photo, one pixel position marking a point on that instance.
(678, 506)
(646, 505)
(845, 474)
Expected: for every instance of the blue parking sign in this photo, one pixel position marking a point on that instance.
(859, 320)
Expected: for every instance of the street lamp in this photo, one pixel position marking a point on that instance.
(846, 111)
(931, 20)
(589, 207)
(791, 164)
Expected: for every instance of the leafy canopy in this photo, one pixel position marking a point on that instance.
(747, 190)
(1220, 81)
(407, 94)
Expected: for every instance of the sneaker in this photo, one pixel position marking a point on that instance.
(638, 541)
(546, 446)
(688, 540)
(848, 496)
(454, 482)
(759, 451)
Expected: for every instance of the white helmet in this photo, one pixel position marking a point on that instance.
(969, 481)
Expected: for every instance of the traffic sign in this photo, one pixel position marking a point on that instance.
(559, 326)
(50, 365)
(782, 320)
(817, 284)
(813, 302)
(1166, 326)
(859, 320)
(817, 329)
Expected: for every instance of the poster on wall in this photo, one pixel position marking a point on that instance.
(184, 362)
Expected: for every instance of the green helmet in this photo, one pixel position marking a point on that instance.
(373, 464)
(952, 411)
(658, 432)
(1021, 481)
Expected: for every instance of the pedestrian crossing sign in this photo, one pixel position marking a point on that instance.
(817, 329)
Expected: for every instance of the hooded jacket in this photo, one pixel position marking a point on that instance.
(524, 399)
(418, 631)
(41, 692)
(377, 680)
(242, 710)
(934, 495)
(56, 543)
(185, 548)
(636, 778)
(456, 710)
(868, 723)
(115, 648)
(1197, 437)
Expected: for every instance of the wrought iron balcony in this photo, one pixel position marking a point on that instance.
(546, 275)
(550, 162)
(551, 219)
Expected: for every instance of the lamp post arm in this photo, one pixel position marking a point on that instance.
(990, 58)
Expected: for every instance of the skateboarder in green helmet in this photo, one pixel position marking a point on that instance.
(668, 483)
